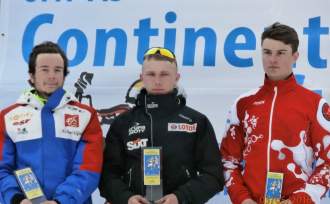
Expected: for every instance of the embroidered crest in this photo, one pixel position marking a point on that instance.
(326, 111)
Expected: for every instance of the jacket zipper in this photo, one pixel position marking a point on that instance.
(151, 122)
(188, 173)
(130, 178)
(270, 128)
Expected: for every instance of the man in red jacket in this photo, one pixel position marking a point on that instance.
(278, 136)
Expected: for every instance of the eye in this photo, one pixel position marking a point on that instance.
(150, 74)
(164, 74)
(44, 69)
(58, 70)
(267, 52)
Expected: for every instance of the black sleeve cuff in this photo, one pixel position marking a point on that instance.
(17, 198)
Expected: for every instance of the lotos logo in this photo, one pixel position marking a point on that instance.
(137, 143)
(71, 120)
(182, 127)
(326, 111)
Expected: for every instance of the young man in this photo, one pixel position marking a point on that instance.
(280, 131)
(191, 163)
(48, 130)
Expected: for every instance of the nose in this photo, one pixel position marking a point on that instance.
(51, 75)
(273, 59)
(158, 80)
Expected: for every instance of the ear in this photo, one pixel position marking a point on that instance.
(295, 56)
(31, 78)
(177, 76)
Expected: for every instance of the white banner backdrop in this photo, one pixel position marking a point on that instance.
(216, 43)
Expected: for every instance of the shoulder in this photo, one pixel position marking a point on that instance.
(247, 96)
(308, 94)
(82, 106)
(192, 113)
(10, 108)
(124, 118)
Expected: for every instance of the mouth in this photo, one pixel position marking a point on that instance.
(51, 85)
(157, 90)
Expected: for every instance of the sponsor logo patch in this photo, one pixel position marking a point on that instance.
(258, 103)
(326, 111)
(22, 131)
(71, 120)
(137, 143)
(182, 127)
(137, 128)
(185, 117)
(152, 105)
(21, 119)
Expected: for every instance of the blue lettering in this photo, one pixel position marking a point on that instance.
(313, 32)
(30, 32)
(231, 46)
(191, 37)
(170, 33)
(81, 42)
(100, 47)
(143, 33)
(300, 78)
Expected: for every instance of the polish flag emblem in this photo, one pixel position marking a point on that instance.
(326, 111)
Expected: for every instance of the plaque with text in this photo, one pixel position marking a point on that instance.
(273, 188)
(152, 172)
(30, 185)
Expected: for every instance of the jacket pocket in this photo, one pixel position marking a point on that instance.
(128, 177)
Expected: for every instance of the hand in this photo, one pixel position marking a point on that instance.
(168, 199)
(249, 201)
(49, 202)
(288, 201)
(26, 201)
(137, 199)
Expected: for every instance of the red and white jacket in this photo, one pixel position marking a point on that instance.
(280, 127)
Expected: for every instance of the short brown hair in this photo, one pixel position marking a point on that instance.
(283, 33)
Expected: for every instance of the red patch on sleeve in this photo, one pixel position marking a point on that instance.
(326, 111)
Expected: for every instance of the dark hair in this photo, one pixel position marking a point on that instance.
(283, 33)
(46, 47)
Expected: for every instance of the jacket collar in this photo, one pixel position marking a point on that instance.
(283, 86)
(160, 104)
(58, 99)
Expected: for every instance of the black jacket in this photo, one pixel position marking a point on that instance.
(192, 168)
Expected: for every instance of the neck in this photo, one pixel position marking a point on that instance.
(42, 97)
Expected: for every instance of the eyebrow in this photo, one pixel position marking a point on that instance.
(48, 66)
(281, 50)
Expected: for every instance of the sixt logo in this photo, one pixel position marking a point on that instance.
(137, 143)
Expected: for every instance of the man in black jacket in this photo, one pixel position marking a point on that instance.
(191, 162)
